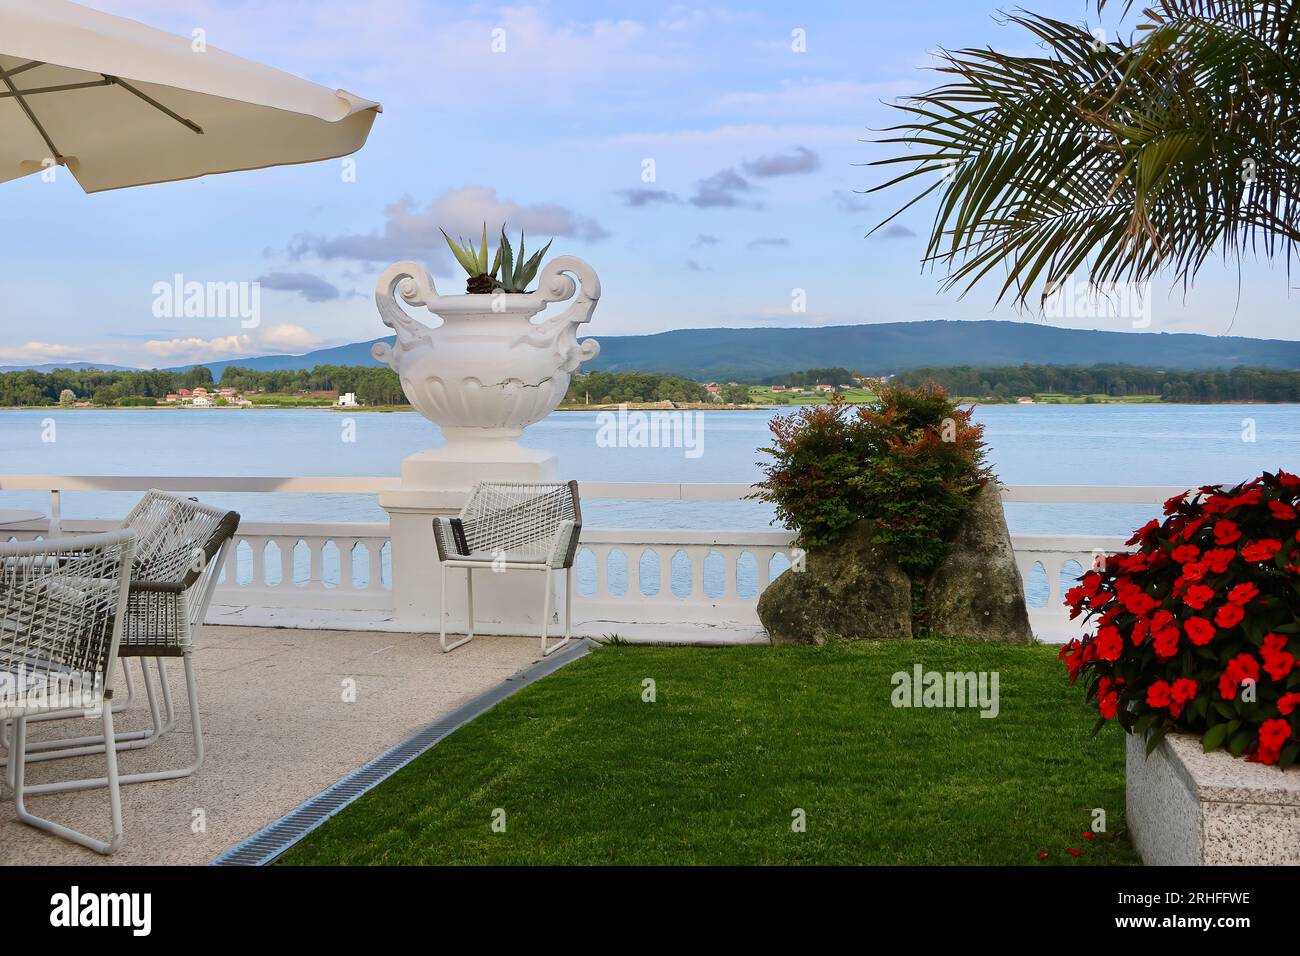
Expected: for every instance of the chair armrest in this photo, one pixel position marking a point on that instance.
(449, 536)
(158, 587)
(564, 544)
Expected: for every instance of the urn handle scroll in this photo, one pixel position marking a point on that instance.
(560, 334)
(412, 282)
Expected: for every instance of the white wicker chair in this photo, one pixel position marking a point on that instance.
(512, 526)
(180, 547)
(62, 604)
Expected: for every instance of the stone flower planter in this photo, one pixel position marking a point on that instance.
(1189, 808)
(487, 372)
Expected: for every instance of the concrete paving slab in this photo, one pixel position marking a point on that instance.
(278, 731)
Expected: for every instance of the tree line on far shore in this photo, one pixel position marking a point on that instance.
(1006, 383)
(381, 386)
(373, 386)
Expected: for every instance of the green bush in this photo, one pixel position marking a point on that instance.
(910, 460)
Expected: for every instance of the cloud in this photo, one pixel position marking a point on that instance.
(409, 230)
(275, 339)
(287, 338)
(195, 349)
(725, 189)
(895, 231)
(694, 266)
(768, 241)
(647, 197)
(312, 287)
(704, 239)
(848, 201)
(36, 353)
(800, 160)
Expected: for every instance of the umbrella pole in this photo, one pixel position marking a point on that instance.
(22, 103)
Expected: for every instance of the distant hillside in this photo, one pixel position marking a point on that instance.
(752, 354)
(74, 366)
(746, 354)
(358, 353)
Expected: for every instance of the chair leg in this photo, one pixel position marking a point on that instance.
(442, 612)
(111, 781)
(65, 747)
(546, 619)
(196, 725)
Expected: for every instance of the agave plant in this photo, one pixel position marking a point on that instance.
(475, 262)
(1120, 158)
(516, 272)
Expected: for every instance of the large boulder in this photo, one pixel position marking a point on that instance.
(850, 590)
(976, 592)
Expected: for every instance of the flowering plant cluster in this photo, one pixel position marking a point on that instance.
(1198, 629)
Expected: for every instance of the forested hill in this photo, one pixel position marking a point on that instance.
(757, 354)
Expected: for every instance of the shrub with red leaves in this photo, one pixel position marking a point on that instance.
(1199, 628)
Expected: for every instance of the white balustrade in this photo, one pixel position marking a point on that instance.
(719, 574)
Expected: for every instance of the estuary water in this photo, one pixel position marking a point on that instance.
(1184, 445)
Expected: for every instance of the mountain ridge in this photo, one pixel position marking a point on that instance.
(749, 354)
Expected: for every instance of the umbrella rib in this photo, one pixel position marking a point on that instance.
(18, 98)
(190, 124)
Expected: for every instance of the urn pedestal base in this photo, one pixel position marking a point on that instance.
(437, 482)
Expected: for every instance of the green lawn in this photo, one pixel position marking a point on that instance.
(737, 739)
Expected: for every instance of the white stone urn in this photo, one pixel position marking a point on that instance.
(487, 371)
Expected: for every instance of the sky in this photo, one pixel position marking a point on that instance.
(708, 161)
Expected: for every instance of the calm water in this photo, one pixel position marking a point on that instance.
(1037, 444)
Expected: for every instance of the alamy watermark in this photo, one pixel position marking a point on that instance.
(182, 299)
(653, 429)
(950, 689)
(1130, 301)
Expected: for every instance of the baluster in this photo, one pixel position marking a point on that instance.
(286, 561)
(375, 551)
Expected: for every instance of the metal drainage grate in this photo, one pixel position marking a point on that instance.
(271, 841)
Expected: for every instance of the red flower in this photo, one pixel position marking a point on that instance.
(1282, 511)
(1241, 668)
(1287, 703)
(1158, 694)
(1182, 693)
(1042, 854)
(1243, 593)
(1272, 735)
(1146, 531)
(1140, 603)
(1261, 550)
(1109, 643)
(1273, 732)
(1197, 596)
(1226, 532)
(1166, 642)
(1277, 660)
(1108, 706)
(1200, 631)
(1218, 559)
(1229, 615)
(1141, 628)
(1185, 552)
(1088, 835)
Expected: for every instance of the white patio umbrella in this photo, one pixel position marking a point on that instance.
(122, 104)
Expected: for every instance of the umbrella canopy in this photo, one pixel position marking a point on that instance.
(122, 104)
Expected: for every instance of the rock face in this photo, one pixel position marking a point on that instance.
(851, 590)
(976, 593)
